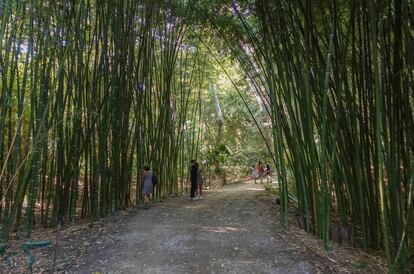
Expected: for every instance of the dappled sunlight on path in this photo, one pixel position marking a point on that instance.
(227, 232)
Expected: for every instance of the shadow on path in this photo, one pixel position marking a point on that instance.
(233, 230)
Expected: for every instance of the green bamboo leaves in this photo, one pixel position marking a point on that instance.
(90, 92)
(334, 74)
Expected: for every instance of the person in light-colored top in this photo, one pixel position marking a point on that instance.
(148, 187)
(253, 172)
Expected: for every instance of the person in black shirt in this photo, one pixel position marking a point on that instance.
(268, 177)
(200, 181)
(193, 178)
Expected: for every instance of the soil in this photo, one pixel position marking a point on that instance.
(234, 229)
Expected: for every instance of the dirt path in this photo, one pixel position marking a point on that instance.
(232, 230)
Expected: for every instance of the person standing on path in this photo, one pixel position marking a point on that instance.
(255, 173)
(261, 171)
(148, 186)
(193, 179)
(200, 180)
(267, 170)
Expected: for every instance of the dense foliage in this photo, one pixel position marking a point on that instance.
(92, 90)
(338, 76)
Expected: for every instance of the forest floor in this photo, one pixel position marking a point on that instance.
(235, 229)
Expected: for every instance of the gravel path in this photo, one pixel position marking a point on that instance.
(233, 230)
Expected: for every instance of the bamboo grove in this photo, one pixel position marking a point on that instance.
(337, 78)
(92, 90)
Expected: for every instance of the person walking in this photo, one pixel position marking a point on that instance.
(267, 170)
(200, 181)
(252, 172)
(261, 171)
(255, 173)
(193, 179)
(148, 186)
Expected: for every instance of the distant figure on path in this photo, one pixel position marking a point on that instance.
(255, 173)
(148, 186)
(267, 171)
(200, 181)
(252, 172)
(261, 171)
(193, 178)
